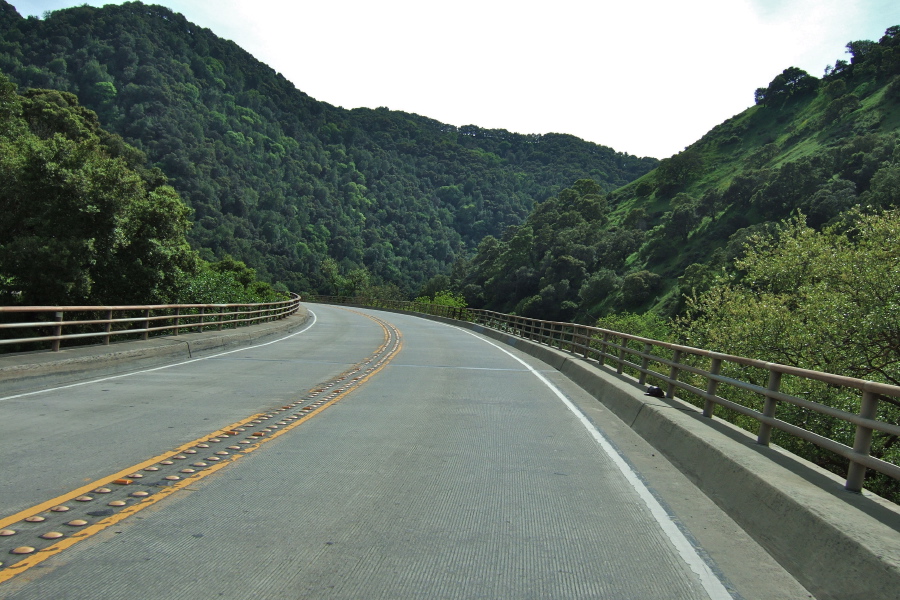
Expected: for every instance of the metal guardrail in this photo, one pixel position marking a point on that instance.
(680, 370)
(106, 322)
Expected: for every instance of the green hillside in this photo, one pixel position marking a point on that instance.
(819, 146)
(280, 180)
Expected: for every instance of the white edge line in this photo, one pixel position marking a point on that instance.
(712, 584)
(186, 362)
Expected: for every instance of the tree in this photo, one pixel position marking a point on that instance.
(78, 225)
(827, 301)
(682, 218)
(790, 83)
(839, 107)
(677, 170)
(639, 287)
(858, 50)
(435, 285)
(885, 188)
(830, 200)
(759, 96)
(331, 273)
(240, 271)
(599, 286)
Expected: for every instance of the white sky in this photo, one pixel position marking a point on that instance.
(646, 77)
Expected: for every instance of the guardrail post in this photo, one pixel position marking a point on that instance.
(621, 366)
(177, 320)
(221, 318)
(602, 359)
(200, 320)
(146, 334)
(862, 443)
(107, 327)
(709, 407)
(645, 363)
(673, 374)
(765, 430)
(57, 330)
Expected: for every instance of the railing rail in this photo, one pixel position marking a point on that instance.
(62, 324)
(675, 367)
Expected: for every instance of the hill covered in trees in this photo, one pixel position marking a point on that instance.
(817, 146)
(85, 222)
(280, 180)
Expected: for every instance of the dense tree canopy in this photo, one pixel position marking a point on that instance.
(827, 301)
(80, 220)
(280, 180)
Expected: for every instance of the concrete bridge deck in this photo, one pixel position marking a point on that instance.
(439, 464)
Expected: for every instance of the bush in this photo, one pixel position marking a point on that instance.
(444, 298)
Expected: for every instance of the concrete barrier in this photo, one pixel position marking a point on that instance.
(24, 370)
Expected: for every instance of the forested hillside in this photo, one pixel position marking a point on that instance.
(85, 222)
(280, 180)
(82, 221)
(818, 146)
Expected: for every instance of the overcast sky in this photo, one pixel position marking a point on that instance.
(646, 77)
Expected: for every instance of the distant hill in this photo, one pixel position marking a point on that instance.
(280, 180)
(820, 146)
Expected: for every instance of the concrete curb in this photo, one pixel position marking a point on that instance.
(837, 544)
(22, 371)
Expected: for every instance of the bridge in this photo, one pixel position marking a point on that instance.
(348, 452)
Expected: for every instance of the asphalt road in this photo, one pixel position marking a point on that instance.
(448, 467)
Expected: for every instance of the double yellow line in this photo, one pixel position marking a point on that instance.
(7, 573)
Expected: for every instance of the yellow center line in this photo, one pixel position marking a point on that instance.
(40, 556)
(45, 506)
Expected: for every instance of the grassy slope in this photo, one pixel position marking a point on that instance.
(762, 138)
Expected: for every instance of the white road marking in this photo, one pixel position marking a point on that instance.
(187, 362)
(713, 586)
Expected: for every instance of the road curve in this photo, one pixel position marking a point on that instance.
(450, 467)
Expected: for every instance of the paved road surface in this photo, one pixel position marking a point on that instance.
(448, 467)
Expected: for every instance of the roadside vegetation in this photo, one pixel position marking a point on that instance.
(84, 222)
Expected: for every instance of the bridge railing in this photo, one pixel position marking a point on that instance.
(58, 325)
(703, 374)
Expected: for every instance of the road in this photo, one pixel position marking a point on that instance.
(437, 464)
